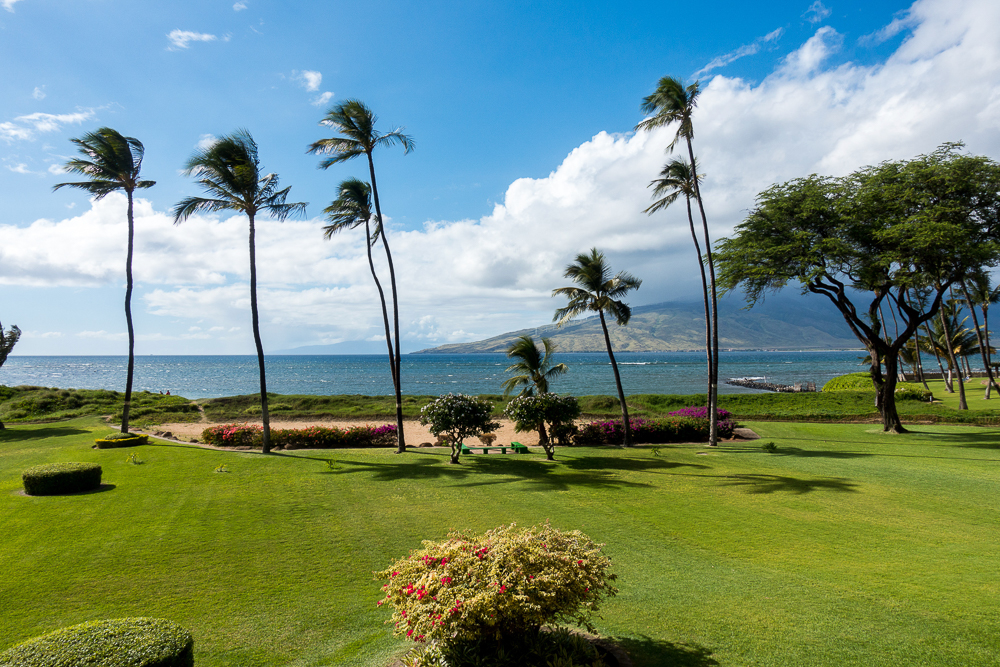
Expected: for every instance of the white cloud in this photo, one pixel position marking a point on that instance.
(817, 12)
(239, 6)
(745, 50)
(323, 99)
(56, 169)
(180, 39)
(8, 5)
(20, 168)
(39, 93)
(309, 79)
(206, 141)
(470, 279)
(25, 128)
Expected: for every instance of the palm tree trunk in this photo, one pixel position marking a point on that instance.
(126, 408)
(381, 298)
(937, 357)
(982, 341)
(266, 448)
(713, 375)
(989, 360)
(618, 382)
(952, 361)
(396, 375)
(704, 290)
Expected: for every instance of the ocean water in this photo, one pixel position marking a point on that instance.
(431, 374)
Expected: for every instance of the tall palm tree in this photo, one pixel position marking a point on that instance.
(673, 102)
(229, 170)
(676, 179)
(8, 339)
(351, 209)
(598, 291)
(112, 162)
(534, 368)
(976, 290)
(354, 123)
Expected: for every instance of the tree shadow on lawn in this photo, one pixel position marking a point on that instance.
(593, 472)
(14, 434)
(775, 483)
(645, 651)
(795, 451)
(985, 439)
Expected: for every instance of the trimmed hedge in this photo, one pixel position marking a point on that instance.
(121, 440)
(120, 642)
(651, 432)
(313, 437)
(52, 479)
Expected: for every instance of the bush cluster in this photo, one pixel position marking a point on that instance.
(652, 432)
(534, 412)
(504, 584)
(314, 437)
(53, 479)
(121, 440)
(121, 642)
(456, 417)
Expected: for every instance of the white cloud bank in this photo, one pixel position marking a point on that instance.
(181, 39)
(27, 127)
(468, 279)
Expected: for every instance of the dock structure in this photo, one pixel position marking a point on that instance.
(761, 383)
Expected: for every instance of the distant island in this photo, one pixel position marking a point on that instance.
(779, 323)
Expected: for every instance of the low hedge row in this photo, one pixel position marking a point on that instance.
(120, 642)
(121, 440)
(53, 479)
(313, 437)
(650, 431)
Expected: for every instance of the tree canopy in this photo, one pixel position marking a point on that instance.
(887, 231)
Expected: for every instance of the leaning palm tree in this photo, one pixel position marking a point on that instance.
(673, 102)
(229, 170)
(598, 291)
(533, 368)
(354, 123)
(976, 289)
(676, 179)
(351, 209)
(8, 339)
(112, 162)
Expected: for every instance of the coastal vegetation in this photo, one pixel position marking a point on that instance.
(229, 170)
(112, 162)
(831, 550)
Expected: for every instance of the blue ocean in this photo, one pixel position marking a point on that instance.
(429, 374)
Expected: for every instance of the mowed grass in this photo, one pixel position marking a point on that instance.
(844, 547)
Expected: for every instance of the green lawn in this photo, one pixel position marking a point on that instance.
(845, 547)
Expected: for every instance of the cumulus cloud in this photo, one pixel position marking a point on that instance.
(8, 5)
(469, 279)
(817, 12)
(745, 50)
(323, 99)
(206, 141)
(181, 39)
(311, 81)
(26, 128)
(239, 6)
(38, 93)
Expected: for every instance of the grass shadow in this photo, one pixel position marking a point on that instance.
(9, 434)
(775, 483)
(100, 489)
(626, 464)
(645, 651)
(796, 451)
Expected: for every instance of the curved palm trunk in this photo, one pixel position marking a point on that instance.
(618, 382)
(128, 318)
(256, 338)
(953, 362)
(982, 341)
(704, 289)
(395, 361)
(989, 359)
(713, 375)
(381, 298)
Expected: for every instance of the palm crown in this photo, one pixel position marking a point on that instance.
(355, 122)
(534, 367)
(111, 162)
(352, 208)
(229, 171)
(670, 103)
(597, 291)
(675, 180)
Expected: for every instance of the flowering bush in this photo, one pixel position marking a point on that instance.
(504, 584)
(532, 412)
(646, 431)
(457, 417)
(700, 412)
(319, 437)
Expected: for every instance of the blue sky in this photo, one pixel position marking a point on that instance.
(525, 156)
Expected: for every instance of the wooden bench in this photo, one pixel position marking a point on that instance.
(516, 446)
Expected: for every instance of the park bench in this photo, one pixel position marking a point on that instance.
(516, 446)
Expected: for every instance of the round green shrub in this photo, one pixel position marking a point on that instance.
(119, 642)
(121, 440)
(53, 479)
(850, 382)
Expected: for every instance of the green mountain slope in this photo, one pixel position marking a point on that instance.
(782, 323)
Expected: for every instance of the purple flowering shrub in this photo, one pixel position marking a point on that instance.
(680, 427)
(313, 437)
(700, 412)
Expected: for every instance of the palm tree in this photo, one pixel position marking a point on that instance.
(112, 162)
(671, 103)
(352, 208)
(354, 123)
(977, 290)
(597, 291)
(534, 367)
(676, 179)
(229, 170)
(8, 339)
